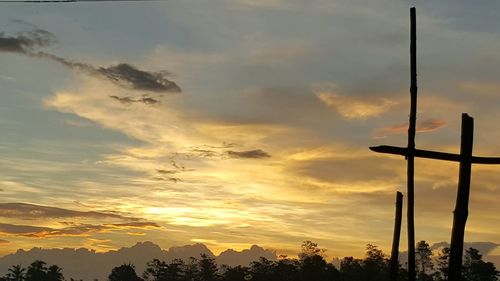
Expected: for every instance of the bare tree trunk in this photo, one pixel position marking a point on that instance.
(461, 207)
(411, 146)
(395, 239)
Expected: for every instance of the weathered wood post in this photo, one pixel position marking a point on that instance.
(462, 204)
(411, 147)
(465, 159)
(395, 238)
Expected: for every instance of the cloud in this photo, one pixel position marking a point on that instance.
(45, 232)
(484, 247)
(128, 75)
(129, 100)
(122, 74)
(35, 212)
(22, 230)
(2, 241)
(72, 229)
(252, 154)
(141, 224)
(425, 126)
(25, 42)
(353, 107)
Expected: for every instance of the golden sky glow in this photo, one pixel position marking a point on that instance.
(266, 142)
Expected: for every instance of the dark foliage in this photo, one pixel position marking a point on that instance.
(310, 266)
(125, 272)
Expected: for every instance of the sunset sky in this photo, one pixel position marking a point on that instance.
(240, 122)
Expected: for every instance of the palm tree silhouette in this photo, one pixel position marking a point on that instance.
(16, 273)
(54, 273)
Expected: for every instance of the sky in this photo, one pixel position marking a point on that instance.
(240, 122)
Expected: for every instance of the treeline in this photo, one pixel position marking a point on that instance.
(310, 265)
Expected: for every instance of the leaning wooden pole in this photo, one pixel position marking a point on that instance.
(461, 207)
(395, 238)
(411, 146)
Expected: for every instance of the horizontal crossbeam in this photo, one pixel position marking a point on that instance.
(433, 154)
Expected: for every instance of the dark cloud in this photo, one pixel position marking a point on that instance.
(206, 153)
(252, 154)
(166, 175)
(123, 74)
(34, 212)
(25, 42)
(166, 172)
(130, 100)
(2, 241)
(22, 230)
(129, 76)
(484, 247)
(171, 179)
(72, 229)
(42, 232)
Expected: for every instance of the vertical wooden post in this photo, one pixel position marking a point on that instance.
(462, 204)
(411, 146)
(395, 238)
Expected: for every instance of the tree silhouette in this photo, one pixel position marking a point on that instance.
(351, 269)
(54, 273)
(190, 269)
(16, 273)
(155, 271)
(207, 269)
(236, 273)
(375, 265)
(125, 272)
(475, 269)
(442, 264)
(161, 271)
(311, 266)
(37, 271)
(309, 248)
(287, 269)
(423, 261)
(262, 269)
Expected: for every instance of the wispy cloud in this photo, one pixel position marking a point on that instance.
(352, 107)
(130, 100)
(35, 212)
(423, 126)
(252, 154)
(72, 229)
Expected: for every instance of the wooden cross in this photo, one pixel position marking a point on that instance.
(465, 159)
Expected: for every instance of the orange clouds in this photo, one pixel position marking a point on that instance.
(42, 224)
(424, 126)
